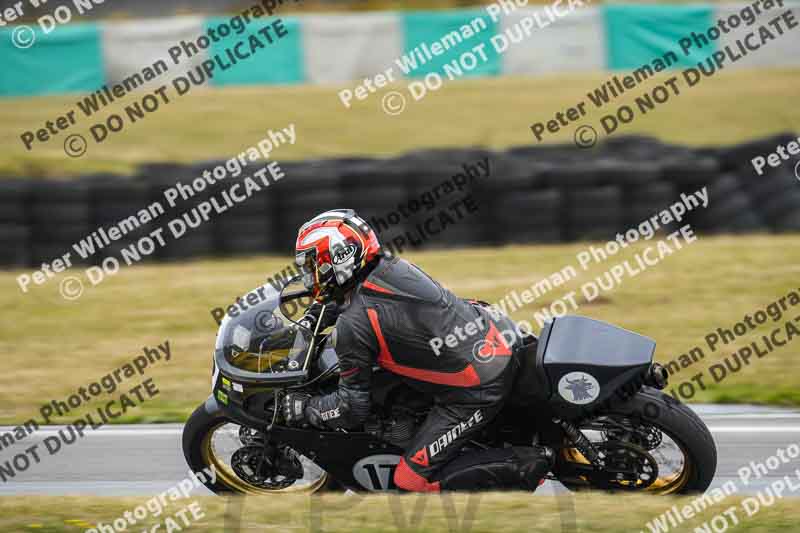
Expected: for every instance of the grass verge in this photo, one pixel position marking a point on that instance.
(727, 108)
(478, 513)
(52, 346)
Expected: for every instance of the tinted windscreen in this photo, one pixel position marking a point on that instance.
(280, 350)
(257, 336)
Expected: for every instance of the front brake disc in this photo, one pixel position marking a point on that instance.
(625, 467)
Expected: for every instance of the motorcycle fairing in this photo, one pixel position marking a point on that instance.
(333, 451)
(588, 353)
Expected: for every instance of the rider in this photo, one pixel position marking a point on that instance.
(388, 310)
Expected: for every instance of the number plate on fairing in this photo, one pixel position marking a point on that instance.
(376, 472)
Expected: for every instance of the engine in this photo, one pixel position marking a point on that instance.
(396, 418)
(397, 431)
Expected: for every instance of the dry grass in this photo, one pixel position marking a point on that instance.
(52, 346)
(216, 124)
(512, 512)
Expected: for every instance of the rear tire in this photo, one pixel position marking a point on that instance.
(652, 407)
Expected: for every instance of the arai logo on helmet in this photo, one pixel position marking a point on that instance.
(578, 387)
(343, 254)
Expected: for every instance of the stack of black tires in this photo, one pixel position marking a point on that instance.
(532, 194)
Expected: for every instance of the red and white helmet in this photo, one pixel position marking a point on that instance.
(332, 248)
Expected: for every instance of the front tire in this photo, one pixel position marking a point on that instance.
(201, 455)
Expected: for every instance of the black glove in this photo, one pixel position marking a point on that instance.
(294, 407)
(311, 316)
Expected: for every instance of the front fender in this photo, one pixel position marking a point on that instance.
(211, 406)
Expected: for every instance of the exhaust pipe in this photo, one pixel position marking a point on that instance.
(656, 376)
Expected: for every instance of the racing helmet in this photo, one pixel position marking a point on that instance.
(332, 249)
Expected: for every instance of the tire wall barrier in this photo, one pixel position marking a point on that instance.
(552, 193)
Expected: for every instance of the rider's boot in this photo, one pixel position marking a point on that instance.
(516, 468)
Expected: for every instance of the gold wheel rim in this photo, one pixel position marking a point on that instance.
(672, 484)
(226, 474)
(662, 486)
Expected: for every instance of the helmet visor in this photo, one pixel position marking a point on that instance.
(314, 274)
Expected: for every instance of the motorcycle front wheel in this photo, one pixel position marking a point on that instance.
(241, 461)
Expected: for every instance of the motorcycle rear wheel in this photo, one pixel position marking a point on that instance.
(683, 430)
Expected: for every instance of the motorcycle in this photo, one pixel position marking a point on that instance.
(587, 389)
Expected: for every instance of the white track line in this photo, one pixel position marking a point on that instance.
(112, 432)
(754, 429)
(153, 432)
(724, 416)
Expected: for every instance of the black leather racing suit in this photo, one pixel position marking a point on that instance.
(389, 321)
